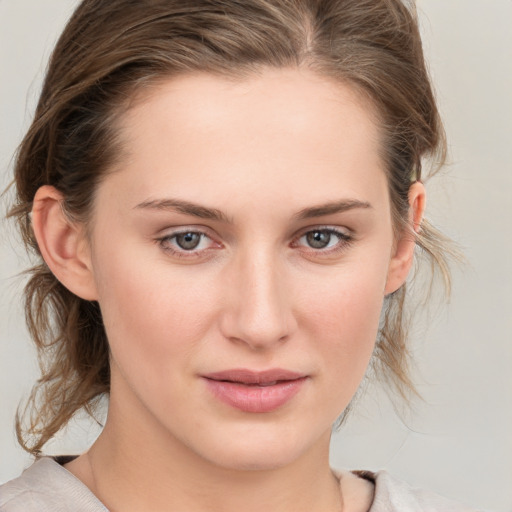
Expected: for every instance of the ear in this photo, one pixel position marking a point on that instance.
(62, 243)
(402, 259)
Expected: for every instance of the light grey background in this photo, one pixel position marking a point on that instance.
(458, 442)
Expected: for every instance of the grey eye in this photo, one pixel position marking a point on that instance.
(318, 239)
(188, 241)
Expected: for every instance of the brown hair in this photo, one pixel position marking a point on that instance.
(109, 50)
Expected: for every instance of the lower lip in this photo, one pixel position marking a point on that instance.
(255, 399)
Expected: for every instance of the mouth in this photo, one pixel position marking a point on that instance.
(255, 378)
(255, 392)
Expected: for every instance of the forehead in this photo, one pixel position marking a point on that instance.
(284, 128)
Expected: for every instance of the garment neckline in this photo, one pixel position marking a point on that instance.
(341, 475)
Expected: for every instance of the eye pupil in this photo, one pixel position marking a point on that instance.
(188, 241)
(318, 239)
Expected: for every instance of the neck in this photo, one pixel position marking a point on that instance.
(129, 477)
(129, 470)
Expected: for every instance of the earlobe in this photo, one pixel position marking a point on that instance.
(403, 256)
(62, 243)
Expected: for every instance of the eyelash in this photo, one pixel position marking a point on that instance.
(344, 240)
(164, 242)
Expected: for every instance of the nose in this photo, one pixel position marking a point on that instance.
(258, 311)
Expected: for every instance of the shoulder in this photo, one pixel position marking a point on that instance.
(395, 495)
(46, 486)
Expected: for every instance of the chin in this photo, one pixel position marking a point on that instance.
(253, 452)
(260, 460)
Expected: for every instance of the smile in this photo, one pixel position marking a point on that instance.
(255, 392)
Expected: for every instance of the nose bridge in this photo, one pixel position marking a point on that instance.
(260, 312)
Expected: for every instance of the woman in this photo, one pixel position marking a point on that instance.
(225, 197)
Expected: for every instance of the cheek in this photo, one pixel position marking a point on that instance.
(149, 311)
(343, 316)
(347, 299)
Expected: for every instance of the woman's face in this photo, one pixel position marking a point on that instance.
(240, 255)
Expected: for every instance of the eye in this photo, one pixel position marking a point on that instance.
(318, 239)
(324, 239)
(187, 243)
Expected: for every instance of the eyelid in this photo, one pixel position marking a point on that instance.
(345, 235)
(171, 229)
(341, 231)
(170, 233)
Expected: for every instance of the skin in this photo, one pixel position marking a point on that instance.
(264, 154)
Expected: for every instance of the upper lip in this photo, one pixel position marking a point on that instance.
(245, 376)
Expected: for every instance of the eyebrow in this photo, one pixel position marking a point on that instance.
(185, 207)
(331, 208)
(203, 212)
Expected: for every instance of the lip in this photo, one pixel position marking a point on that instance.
(255, 391)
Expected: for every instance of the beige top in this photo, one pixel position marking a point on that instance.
(47, 486)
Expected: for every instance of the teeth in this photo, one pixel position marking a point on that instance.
(261, 385)
(273, 383)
